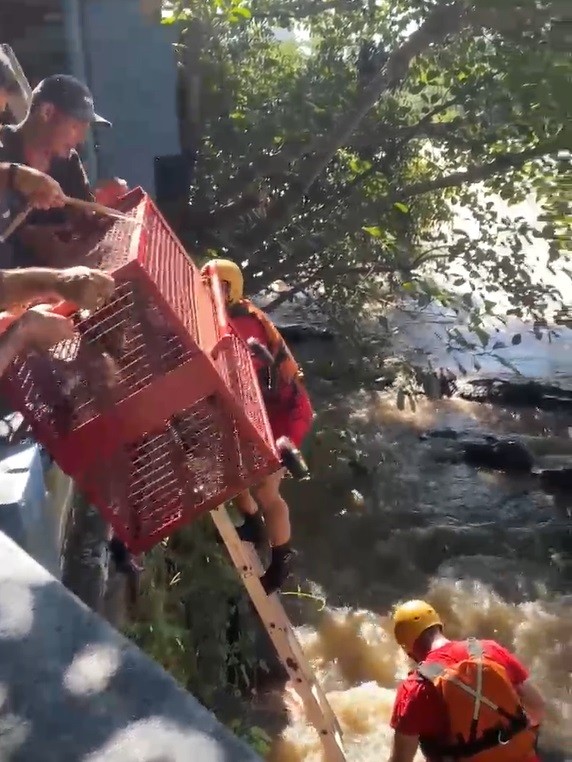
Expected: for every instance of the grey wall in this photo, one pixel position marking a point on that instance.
(73, 690)
(131, 69)
(25, 513)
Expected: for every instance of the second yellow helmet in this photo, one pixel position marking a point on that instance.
(231, 273)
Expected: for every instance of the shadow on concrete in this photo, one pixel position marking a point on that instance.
(72, 688)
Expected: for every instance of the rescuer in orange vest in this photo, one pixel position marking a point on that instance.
(289, 411)
(465, 700)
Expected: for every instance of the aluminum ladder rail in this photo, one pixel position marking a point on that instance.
(283, 637)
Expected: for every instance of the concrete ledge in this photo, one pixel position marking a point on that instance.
(72, 688)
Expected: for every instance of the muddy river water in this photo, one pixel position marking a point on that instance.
(493, 554)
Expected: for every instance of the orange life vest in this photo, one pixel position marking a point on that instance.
(487, 722)
(289, 372)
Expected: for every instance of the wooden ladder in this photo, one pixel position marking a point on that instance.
(282, 635)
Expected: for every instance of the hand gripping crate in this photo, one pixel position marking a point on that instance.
(154, 408)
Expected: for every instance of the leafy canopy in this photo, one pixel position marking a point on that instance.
(341, 140)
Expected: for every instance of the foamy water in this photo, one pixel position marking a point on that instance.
(359, 665)
(492, 558)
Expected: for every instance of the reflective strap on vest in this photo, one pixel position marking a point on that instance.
(434, 670)
(491, 737)
(475, 649)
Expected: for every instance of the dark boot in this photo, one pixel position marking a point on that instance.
(279, 569)
(252, 530)
(125, 564)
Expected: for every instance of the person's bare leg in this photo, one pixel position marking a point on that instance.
(275, 509)
(277, 519)
(246, 503)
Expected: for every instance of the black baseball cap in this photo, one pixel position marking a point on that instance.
(70, 96)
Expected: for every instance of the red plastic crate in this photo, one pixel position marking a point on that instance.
(154, 409)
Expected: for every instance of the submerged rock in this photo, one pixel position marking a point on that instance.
(488, 451)
(513, 456)
(440, 434)
(531, 394)
(554, 480)
(297, 333)
(503, 455)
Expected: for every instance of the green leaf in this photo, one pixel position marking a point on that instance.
(354, 166)
(373, 231)
(401, 207)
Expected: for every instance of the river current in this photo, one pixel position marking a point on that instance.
(493, 554)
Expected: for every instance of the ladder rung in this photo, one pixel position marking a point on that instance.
(283, 636)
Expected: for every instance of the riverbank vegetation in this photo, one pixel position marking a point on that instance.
(192, 617)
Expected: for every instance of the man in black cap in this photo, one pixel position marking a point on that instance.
(61, 112)
(85, 287)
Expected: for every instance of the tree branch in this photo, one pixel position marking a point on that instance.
(450, 17)
(447, 19)
(370, 269)
(405, 135)
(410, 132)
(523, 15)
(474, 174)
(300, 11)
(198, 219)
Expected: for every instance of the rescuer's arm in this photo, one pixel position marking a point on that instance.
(84, 287)
(35, 329)
(403, 747)
(40, 190)
(411, 718)
(532, 701)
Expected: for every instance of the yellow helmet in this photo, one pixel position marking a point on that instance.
(231, 273)
(410, 620)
